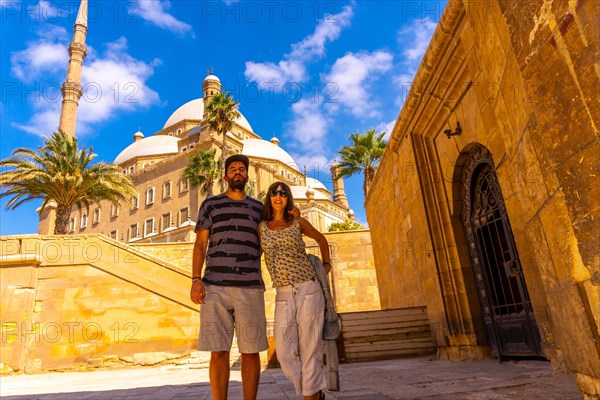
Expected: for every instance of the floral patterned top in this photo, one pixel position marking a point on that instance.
(285, 255)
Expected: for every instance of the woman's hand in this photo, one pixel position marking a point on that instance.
(295, 212)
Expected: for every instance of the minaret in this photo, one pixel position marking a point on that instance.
(210, 86)
(71, 89)
(339, 193)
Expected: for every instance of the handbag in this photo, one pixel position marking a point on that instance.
(332, 326)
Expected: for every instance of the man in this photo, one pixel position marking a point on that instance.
(232, 290)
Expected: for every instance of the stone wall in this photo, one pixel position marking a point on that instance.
(519, 79)
(81, 302)
(354, 280)
(86, 301)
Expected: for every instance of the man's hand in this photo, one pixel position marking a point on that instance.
(295, 212)
(198, 292)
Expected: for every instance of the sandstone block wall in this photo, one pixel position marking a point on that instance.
(82, 302)
(354, 279)
(86, 301)
(520, 79)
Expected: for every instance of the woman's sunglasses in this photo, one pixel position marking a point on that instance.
(275, 192)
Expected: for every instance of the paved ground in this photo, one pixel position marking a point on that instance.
(416, 378)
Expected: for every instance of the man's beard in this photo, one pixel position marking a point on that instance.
(237, 184)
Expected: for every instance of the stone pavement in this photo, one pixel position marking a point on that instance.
(414, 378)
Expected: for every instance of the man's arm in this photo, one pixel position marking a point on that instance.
(198, 290)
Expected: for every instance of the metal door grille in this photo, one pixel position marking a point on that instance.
(507, 311)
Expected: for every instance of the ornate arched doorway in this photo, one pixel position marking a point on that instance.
(507, 313)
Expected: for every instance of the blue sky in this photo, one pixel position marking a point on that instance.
(308, 72)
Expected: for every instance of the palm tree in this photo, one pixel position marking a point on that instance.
(221, 111)
(202, 171)
(362, 156)
(61, 172)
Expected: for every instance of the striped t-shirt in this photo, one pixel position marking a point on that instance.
(233, 255)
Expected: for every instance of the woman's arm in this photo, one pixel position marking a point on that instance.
(308, 230)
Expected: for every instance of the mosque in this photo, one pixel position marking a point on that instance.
(127, 267)
(166, 206)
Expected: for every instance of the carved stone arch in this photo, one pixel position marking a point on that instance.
(505, 307)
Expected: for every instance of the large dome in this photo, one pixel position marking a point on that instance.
(195, 110)
(153, 145)
(265, 149)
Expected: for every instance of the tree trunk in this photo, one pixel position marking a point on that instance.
(61, 224)
(223, 157)
(369, 175)
(209, 187)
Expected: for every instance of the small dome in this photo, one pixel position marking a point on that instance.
(314, 183)
(153, 145)
(265, 149)
(299, 192)
(274, 140)
(194, 109)
(211, 77)
(138, 136)
(350, 212)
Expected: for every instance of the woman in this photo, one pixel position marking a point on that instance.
(299, 303)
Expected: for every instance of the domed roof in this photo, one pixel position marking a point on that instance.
(265, 149)
(299, 192)
(212, 77)
(153, 145)
(194, 109)
(315, 184)
(191, 110)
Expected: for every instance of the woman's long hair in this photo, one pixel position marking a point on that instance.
(268, 209)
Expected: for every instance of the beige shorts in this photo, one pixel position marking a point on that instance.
(226, 307)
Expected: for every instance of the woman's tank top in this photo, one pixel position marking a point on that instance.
(285, 255)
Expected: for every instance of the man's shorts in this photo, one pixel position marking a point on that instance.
(226, 306)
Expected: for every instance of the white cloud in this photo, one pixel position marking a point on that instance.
(328, 30)
(155, 11)
(414, 40)
(385, 127)
(353, 76)
(115, 82)
(42, 123)
(44, 11)
(293, 66)
(317, 165)
(308, 126)
(268, 74)
(308, 131)
(420, 32)
(112, 83)
(48, 54)
(7, 3)
(40, 57)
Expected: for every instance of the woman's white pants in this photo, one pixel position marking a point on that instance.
(299, 314)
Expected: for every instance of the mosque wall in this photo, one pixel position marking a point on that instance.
(354, 278)
(80, 302)
(519, 80)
